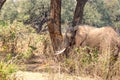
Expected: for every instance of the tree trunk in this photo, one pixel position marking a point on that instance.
(1, 3)
(78, 15)
(77, 19)
(54, 26)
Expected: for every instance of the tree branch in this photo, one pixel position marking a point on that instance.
(1, 3)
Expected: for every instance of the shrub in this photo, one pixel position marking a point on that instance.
(6, 69)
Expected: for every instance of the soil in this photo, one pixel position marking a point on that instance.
(26, 75)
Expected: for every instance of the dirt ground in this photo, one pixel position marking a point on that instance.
(24, 75)
(36, 71)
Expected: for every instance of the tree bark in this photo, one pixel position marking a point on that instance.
(54, 25)
(1, 3)
(78, 15)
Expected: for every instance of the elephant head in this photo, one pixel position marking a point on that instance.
(78, 33)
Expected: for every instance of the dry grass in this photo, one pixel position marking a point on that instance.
(20, 39)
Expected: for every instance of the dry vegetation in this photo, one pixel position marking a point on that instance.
(22, 49)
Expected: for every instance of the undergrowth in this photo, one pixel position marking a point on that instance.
(18, 43)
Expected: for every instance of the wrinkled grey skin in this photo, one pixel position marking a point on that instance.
(103, 39)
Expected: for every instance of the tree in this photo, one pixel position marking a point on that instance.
(38, 12)
(9, 12)
(78, 15)
(54, 25)
(1, 3)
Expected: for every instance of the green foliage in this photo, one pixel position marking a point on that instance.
(27, 11)
(3, 23)
(6, 69)
(102, 13)
(68, 7)
(87, 58)
(8, 56)
(96, 12)
(36, 11)
(9, 12)
(92, 16)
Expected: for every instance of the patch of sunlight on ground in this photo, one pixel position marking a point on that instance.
(25, 75)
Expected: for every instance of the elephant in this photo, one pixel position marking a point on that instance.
(104, 38)
(85, 35)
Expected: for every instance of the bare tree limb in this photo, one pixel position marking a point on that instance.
(78, 15)
(1, 3)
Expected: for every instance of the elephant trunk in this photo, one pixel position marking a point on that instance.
(69, 36)
(68, 39)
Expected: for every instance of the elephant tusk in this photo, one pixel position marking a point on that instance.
(60, 51)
